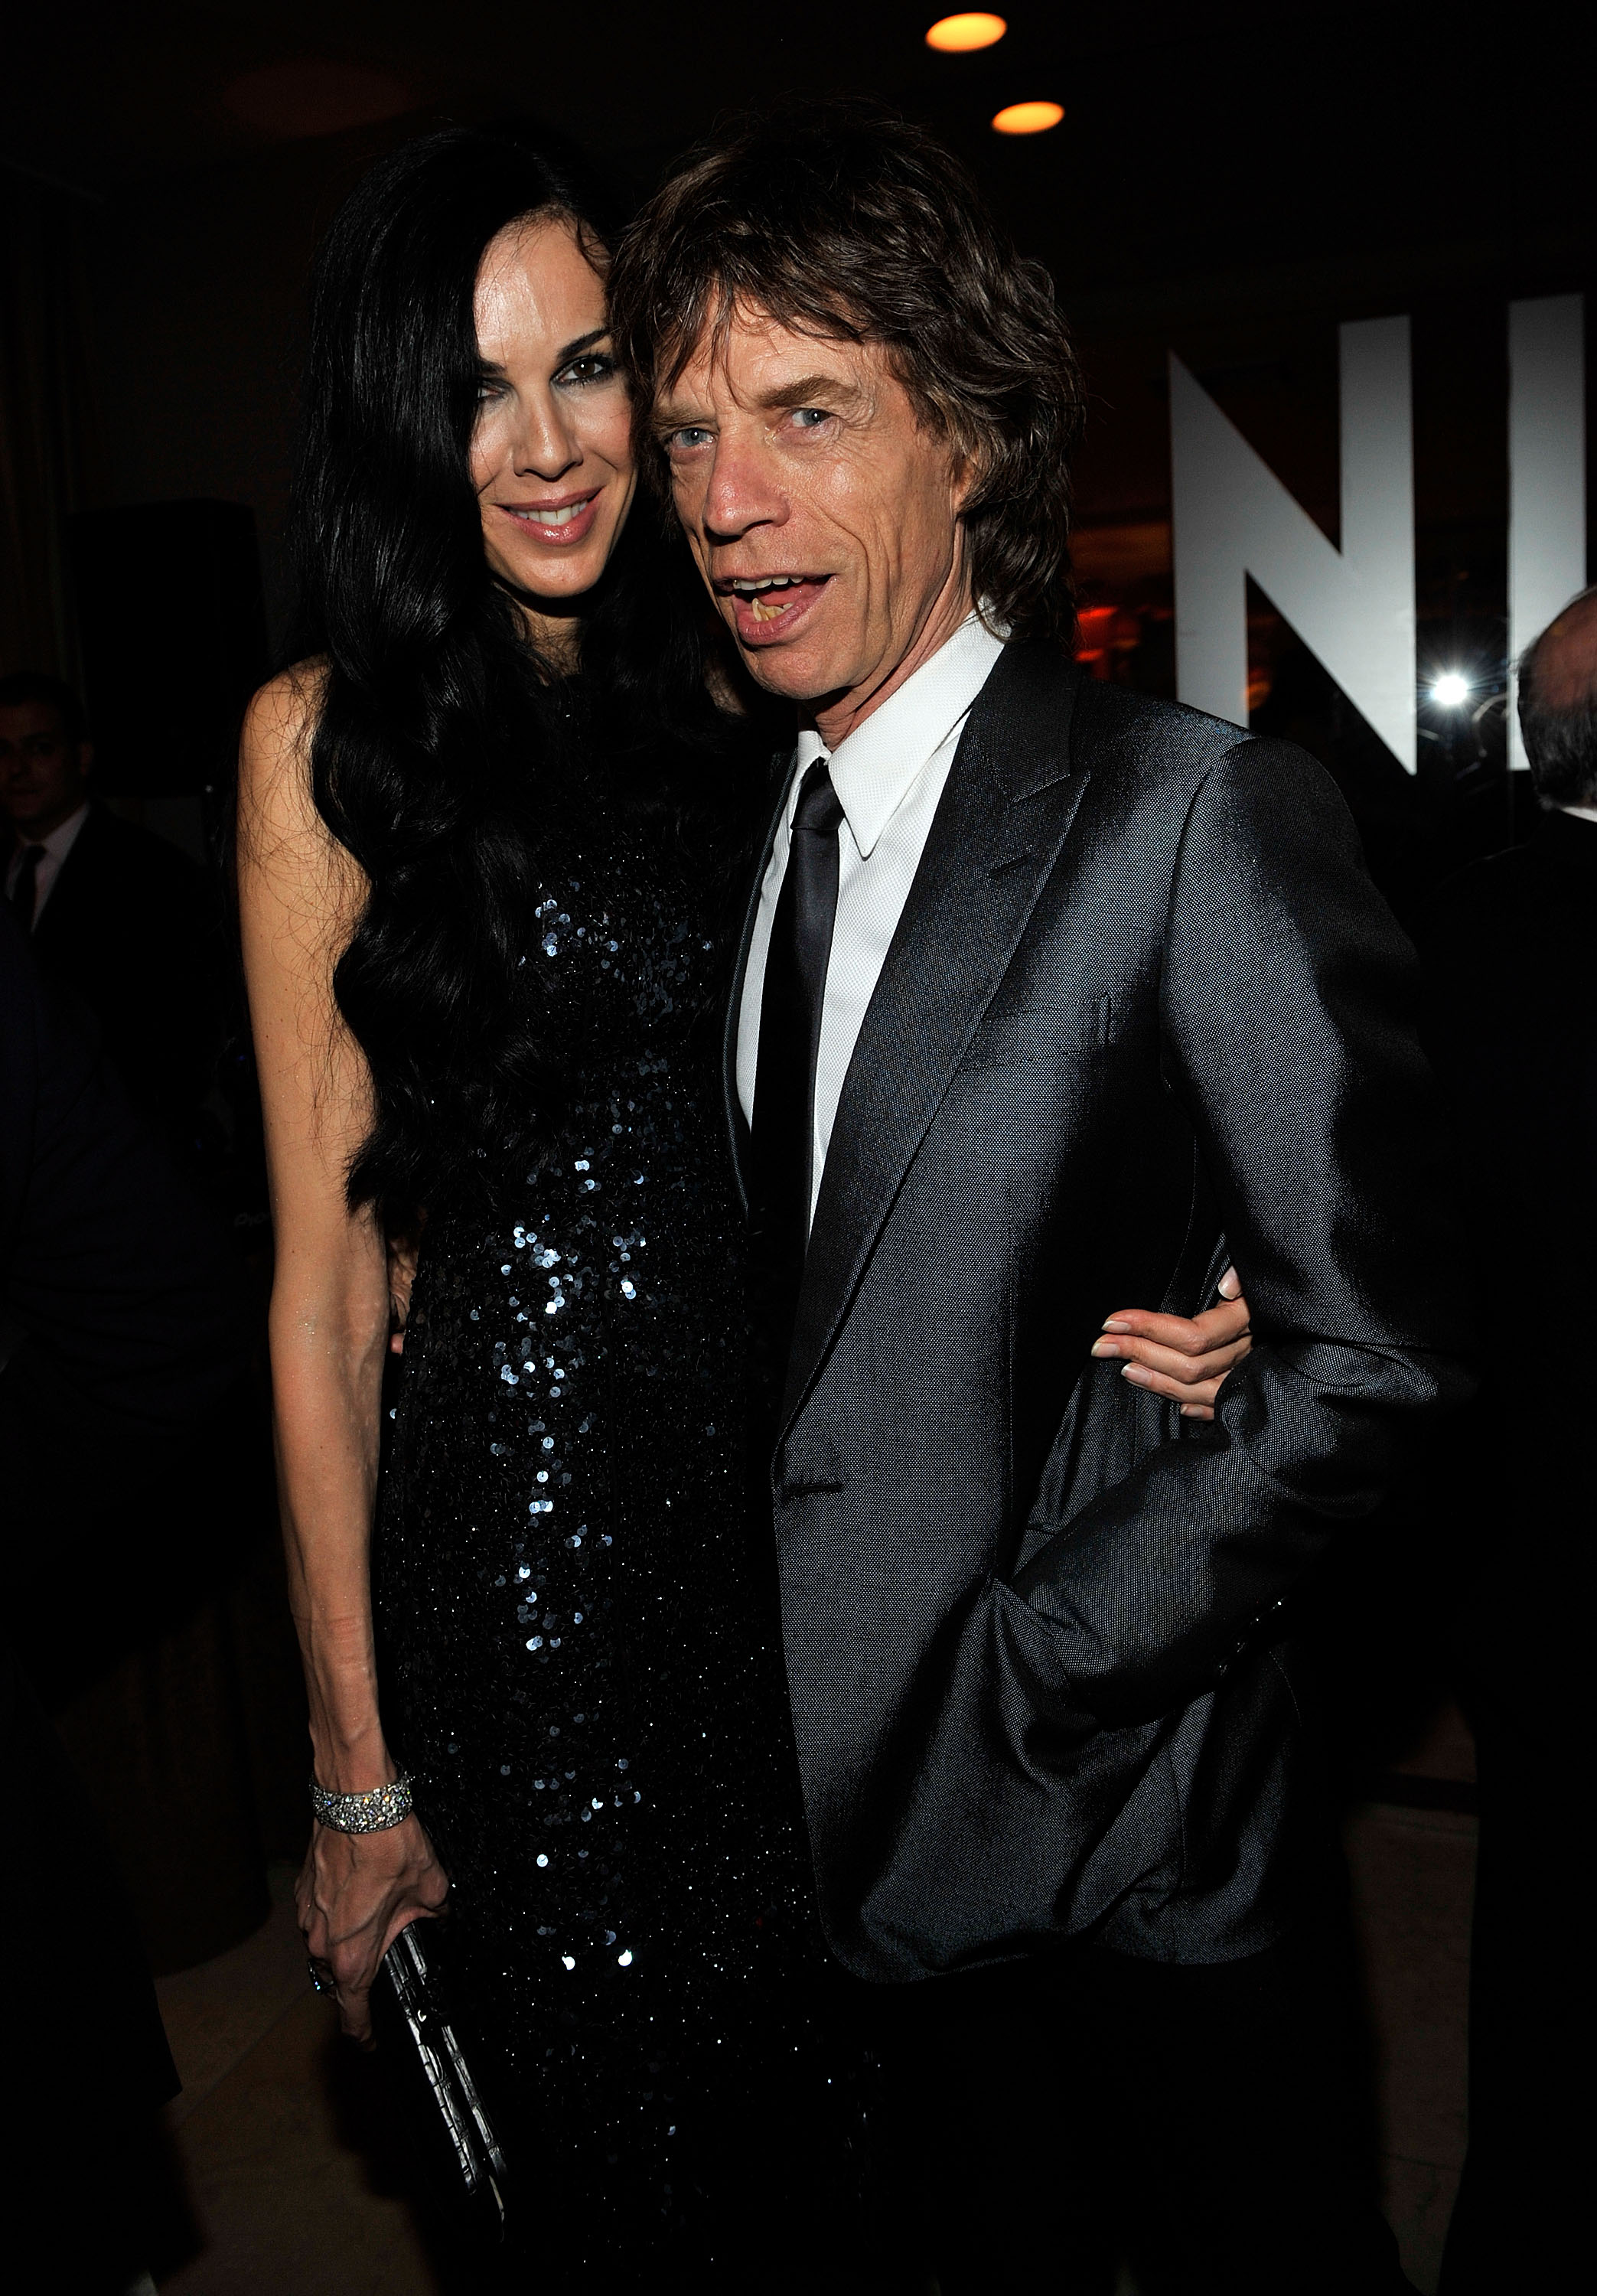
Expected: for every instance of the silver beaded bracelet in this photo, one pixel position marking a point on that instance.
(363, 1813)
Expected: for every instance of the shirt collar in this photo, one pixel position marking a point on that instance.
(64, 836)
(873, 770)
(61, 840)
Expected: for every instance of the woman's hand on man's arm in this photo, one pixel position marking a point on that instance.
(1183, 1358)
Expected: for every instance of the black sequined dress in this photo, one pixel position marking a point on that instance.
(579, 1644)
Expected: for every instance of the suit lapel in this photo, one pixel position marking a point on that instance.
(737, 1126)
(73, 878)
(1011, 798)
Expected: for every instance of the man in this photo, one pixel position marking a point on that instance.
(118, 914)
(125, 925)
(1049, 996)
(1510, 951)
(45, 759)
(126, 1324)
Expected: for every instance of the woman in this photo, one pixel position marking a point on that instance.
(490, 834)
(482, 897)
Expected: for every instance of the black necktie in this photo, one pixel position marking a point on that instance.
(789, 1037)
(24, 893)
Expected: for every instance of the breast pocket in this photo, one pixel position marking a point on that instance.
(1040, 1035)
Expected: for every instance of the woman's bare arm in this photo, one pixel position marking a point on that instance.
(299, 897)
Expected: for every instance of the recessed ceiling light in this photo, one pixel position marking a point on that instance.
(956, 36)
(1450, 689)
(1027, 119)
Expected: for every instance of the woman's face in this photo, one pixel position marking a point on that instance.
(551, 453)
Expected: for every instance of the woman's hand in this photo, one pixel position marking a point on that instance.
(1182, 1357)
(355, 1892)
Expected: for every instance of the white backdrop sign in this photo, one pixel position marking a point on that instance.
(1353, 607)
(1547, 471)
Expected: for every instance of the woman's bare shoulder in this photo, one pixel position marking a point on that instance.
(281, 836)
(274, 745)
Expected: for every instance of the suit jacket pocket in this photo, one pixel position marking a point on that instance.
(1010, 1816)
(1033, 1036)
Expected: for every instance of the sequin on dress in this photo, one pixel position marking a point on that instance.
(578, 1633)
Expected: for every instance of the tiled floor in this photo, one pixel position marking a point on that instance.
(269, 2128)
(275, 2121)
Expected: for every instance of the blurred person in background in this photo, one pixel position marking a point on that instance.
(1511, 953)
(115, 911)
(123, 1331)
(169, 1690)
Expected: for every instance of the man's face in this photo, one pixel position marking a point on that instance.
(824, 515)
(44, 777)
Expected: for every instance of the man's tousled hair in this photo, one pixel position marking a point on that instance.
(846, 222)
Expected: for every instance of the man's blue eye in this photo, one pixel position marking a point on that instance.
(806, 415)
(692, 436)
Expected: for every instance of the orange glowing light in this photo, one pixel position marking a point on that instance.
(1027, 119)
(957, 36)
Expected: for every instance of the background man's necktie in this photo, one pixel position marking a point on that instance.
(24, 893)
(789, 1037)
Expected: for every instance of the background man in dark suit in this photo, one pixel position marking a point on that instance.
(124, 1325)
(166, 1693)
(115, 913)
(1051, 996)
(1510, 957)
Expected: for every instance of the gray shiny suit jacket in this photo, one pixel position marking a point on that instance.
(1143, 1007)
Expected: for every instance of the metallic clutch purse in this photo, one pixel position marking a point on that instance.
(460, 2142)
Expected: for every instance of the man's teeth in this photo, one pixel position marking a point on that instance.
(766, 582)
(552, 517)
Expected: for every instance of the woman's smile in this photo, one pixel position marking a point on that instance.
(559, 524)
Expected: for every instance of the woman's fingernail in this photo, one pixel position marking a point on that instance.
(1106, 1347)
(1230, 1285)
(1113, 1323)
(1136, 1373)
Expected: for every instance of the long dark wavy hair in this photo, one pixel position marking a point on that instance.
(447, 755)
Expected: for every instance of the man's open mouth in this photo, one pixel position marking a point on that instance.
(767, 604)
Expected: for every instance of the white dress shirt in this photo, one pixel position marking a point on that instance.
(57, 846)
(889, 776)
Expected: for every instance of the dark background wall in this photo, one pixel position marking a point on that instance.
(1229, 182)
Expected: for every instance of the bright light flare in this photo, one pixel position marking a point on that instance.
(957, 36)
(1027, 119)
(1450, 689)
